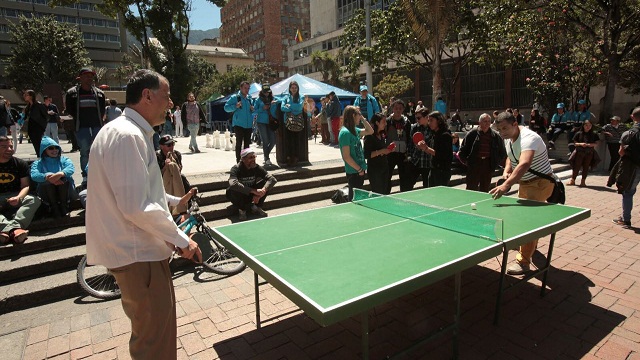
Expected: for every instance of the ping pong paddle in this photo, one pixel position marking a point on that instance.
(391, 146)
(417, 137)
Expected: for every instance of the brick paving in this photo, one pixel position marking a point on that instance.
(590, 310)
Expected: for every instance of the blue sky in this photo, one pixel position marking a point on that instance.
(204, 15)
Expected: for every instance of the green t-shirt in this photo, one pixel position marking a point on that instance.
(346, 138)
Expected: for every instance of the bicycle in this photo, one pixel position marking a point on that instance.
(98, 281)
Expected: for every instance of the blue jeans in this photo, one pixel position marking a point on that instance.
(3, 131)
(193, 130)
(268, 138)
(85, 137)
(52, 131)
(627, 197)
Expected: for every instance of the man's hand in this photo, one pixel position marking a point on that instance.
(192, 252)
(186, 197)
(14, 201)
(55, 179)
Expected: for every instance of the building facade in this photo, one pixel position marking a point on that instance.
(265, 29)
(222, 58)
(104, 37)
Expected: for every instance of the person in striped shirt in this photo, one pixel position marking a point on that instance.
(525, 150)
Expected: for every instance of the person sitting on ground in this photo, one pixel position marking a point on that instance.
(53, 172)
(14, 196)
(170, 162)
(584, 156)
(249, 184)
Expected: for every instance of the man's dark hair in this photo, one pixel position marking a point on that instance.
(245, 82)
(140, 80)
(397, 101)
(46, 97)
(506, 116)
(113, 102)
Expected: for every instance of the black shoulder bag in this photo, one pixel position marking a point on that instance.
(558, 194)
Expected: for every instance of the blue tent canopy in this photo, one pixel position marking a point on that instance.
(308, 86)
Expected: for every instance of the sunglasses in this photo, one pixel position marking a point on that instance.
(169, 144)
(52, 148)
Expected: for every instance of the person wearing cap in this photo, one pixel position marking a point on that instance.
(86, 104)
(368, 104)
(249, 184)
(170, 162)
(612, 134)
(262, 106)
(241, 106)
(558, 125)
(420, 106)
(130, 230)
(578, 118)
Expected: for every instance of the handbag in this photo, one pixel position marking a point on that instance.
(294, 123)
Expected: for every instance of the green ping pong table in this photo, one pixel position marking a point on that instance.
(343, 260)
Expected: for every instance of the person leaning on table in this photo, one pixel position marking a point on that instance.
(525, 150)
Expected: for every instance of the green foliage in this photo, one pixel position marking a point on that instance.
(392, 85)
(203, 70)
(229, 82)
(125, 70)
(328, 65)
(45, 51)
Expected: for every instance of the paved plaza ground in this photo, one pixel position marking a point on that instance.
(591, 310)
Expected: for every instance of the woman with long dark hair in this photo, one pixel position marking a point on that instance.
(537, 122)
(351, 147)
(36, 117)
(292, 107)
(440, 148)
(376, 151)
(584, 156)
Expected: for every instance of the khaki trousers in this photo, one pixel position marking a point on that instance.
(149, 302)
(538, 189)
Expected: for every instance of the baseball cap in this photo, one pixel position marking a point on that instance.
(86, 70)
(560, 106)
(167, 139)
(582, 102)
(615, 118)
(246, 152)
(364, 88)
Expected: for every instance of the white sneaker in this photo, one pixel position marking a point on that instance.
(268, 162)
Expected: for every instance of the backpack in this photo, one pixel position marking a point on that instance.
(634, 147)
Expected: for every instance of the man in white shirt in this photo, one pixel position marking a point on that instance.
(525, 150)
(129, 227)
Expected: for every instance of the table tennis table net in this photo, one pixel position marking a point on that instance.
(453, 220)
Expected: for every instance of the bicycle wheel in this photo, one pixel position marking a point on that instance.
(97, 281)
(215, 256)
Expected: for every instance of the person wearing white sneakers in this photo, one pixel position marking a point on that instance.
(249, 184)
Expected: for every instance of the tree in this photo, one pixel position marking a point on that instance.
(125, 70)
(101, 71)
(205, 71)
(413, 34)
(229, 82)
(45, 51)
(393, 85)
(599, 39)
(328, 66)
(168, 21)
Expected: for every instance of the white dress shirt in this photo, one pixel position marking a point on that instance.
(127, 217)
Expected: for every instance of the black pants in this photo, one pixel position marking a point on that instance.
(379, 178)
(242, 135)
(415, 172)
(242, 201)
(355, 181)
(479, 175)
(406, 177)
(439, 177)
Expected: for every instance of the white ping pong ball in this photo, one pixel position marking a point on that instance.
(473, 206)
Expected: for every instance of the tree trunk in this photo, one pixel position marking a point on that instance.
(610, 89)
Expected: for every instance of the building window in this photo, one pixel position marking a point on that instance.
(101, 37)
(114, 38)
(87, 36)
(72, 20)
(86, 21)
(98, 22)
(112, 24)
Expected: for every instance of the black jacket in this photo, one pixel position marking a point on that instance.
(471, 146)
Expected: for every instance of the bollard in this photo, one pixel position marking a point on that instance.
(228, 141)
(216, 139)
(208, 140)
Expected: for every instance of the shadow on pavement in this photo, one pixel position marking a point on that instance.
(562, 324)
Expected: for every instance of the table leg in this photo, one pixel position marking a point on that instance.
(456, 317)
(548, 264)
(365, 335)
(503, 274)
(257, 298)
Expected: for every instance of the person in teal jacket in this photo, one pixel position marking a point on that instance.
(263, 106)
(53, 173)
(292, 105)
(368, 104)
(241, 105)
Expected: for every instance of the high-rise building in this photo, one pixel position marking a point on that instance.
(104, 37)
(265, 29)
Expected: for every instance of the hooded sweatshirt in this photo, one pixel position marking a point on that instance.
(48, 165)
